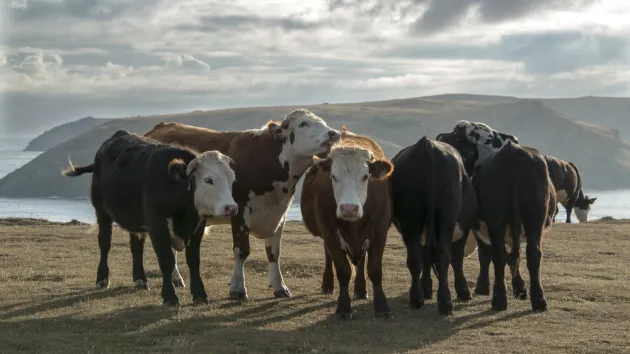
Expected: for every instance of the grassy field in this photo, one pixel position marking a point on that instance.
(49, 305)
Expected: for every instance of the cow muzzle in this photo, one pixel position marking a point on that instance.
(349, 212)
(229, 210)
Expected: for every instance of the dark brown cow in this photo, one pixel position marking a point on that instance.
(567, 181)
(346, 201)
(268, 163)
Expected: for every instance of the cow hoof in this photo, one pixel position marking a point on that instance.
(284, 293)
(464, 297)
(171, 304)
(521, 295)
(416, 304)
(383, 314)
(238, 295)
(428, 295)
(360, 296)
(327, 291)
(445, 308)
(200, 301)
(141, 284)
(540, 305)
(102, 284)
(344, 315)
(499, 304)
(179, 283)
(482, 290)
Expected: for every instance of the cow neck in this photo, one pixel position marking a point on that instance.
(488, 154)
(297, 165)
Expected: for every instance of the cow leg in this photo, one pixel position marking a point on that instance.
(104, 244)
(161, 241)
(426, 281)
(485, 257)
(569, 210)
(193, 261)
(136, 243)
(457, 263)
(344, 272)
(375, 272)
(556, 213)
(414, 264)
(241, 248)
(272, 246)
(499, 291)
(328, 280)
(442, 261)
(518, 284)
(360, 284)
(534, 256)
(176, 277)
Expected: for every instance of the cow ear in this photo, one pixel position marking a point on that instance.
(192, 166)
(228, 160)
(513, 138)
(592, 200)
(285, 124)
(380, 169)
(177, 170)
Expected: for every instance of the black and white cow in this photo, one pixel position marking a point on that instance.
(567, 181)
(435, 206)
(164, 190)
(515, 194)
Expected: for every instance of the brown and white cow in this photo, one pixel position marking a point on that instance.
(346, 201)
(268, 162)
(306, 204)
(567, 182)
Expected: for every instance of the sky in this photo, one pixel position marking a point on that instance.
(61, 60)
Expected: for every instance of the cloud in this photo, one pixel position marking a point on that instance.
(147, 55)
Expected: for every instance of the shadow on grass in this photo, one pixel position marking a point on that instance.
(304, 323)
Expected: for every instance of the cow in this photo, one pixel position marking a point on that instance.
(567, 181)
(166, 191)
(513, 190)
(306, 204)
(346, 202)
(268, 162)
(435, 207)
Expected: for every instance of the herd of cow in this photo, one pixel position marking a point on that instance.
(177, 180)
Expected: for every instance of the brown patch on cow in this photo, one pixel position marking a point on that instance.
(292, 138)
(270, 257)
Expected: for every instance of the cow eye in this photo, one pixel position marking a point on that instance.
(303, 124)
(209, 181)
(365, 178)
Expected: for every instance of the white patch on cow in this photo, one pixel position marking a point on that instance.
(213, 189)
(237, 283)
(484, 144)
(482, 233)
(176, 277)
(562, 197)
(471, 246)
(582, 214)
(176, 241)
(350, 175)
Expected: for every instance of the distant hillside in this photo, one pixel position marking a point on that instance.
(603, 159)
(62, 133)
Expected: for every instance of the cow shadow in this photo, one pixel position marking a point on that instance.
(304, 323)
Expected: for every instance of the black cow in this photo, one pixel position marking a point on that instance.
(430, 189)
(167, 191)
(514, 192)
(567, 181)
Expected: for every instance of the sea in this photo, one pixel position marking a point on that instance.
(613, 203)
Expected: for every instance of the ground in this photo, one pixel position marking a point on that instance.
(48, 302)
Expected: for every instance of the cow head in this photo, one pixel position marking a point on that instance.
(478, 139)
(350, 169)
(306, 133)
(213, 179)
(583, 206)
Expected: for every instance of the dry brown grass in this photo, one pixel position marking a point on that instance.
(48, 302)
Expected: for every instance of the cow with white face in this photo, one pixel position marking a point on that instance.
(164, 190)
(268, 163)
(346, 201)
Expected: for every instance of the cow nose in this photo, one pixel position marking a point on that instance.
(231, 210)
(349, 209)
(333, 135)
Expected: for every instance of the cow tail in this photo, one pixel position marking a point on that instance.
(431, 239)
(515, 217)
(74, 171)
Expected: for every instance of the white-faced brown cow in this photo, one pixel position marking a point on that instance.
(268, 163)
(346, 201)
(163, 190)
(567, 181)
(515, 197)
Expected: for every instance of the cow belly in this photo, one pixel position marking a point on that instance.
(264, 213)
(485, 235)
(562, 197)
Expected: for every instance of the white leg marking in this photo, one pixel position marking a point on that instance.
(178, 281)
(237, 283)
(275, 275)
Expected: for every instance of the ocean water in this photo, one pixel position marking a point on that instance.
(615, 203)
